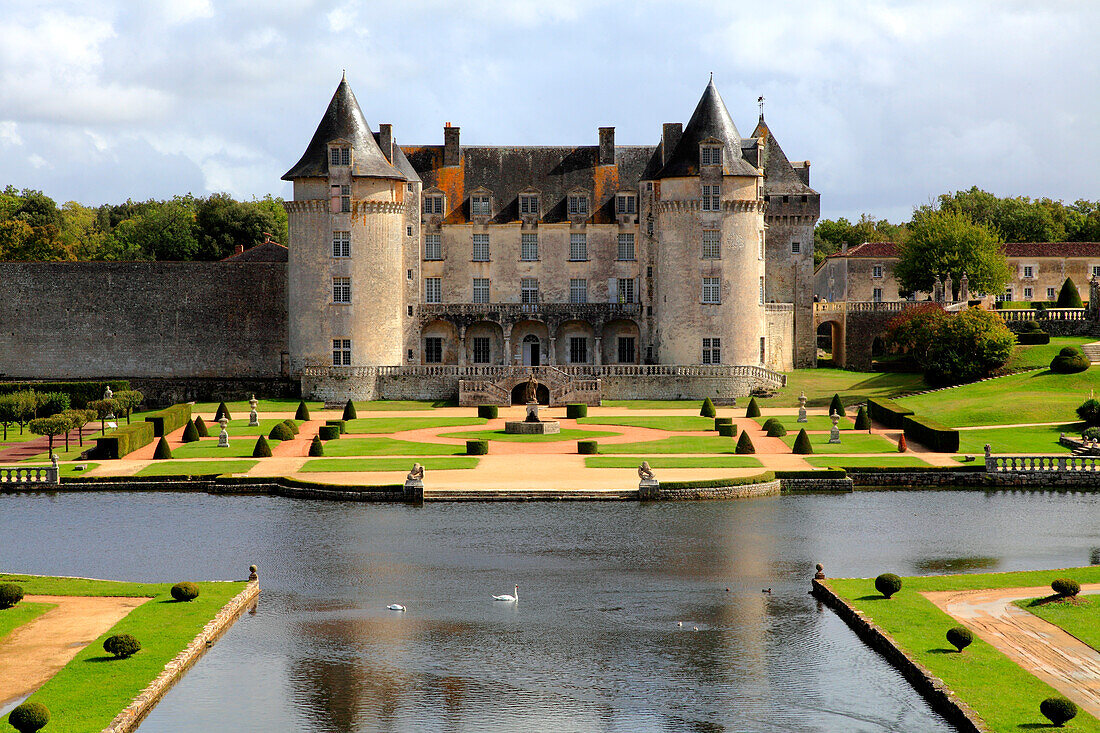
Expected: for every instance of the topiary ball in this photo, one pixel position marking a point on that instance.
(863, 421)
(744, 444)
(281, 432)
(959, 637)
(707, 410)
(185, 591)
(1058, 710)
(802, 444)
(163, 451)
(316, 447)
(10, 594)
(122, 645)
(1066, 587)
(349, 411)
(190, 432)
(29, 717)
(587, 447)
(200, 427)
(887, 584)
(776, 430)
(302, 413)
(262, 449)
(753, 410)
(1070, 360)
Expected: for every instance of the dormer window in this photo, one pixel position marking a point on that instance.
(626, 203)
(529, 204)
(433, 204)
(480, 205)
(710, 155)
(339, 156)
(578, 204)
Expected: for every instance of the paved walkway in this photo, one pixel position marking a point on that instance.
(1056, 657)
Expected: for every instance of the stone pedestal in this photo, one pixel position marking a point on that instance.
(834, 431)
(414, 490)
(802, 407)
(253, 418)
(532, 412)
(648, 488)
(523, 427)
(223, 438)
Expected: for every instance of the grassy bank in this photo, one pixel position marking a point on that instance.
(351, 465)
(19, 614)
(1080, 617)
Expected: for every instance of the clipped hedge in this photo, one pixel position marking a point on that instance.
(720, 483)
(328, 432)
(302, 413)
(776, 429)
(727, 430)
(888, 584)
(1070, 360)
(221, 412)
(190, 432)
(574, 412)
(341, 425)
(163, 450)
(123, 440)
(888, 412)
(349, 411)
(10, 594)
(863, 422)
(707, 409)
(1058, 710)
(477, 447)
(1032, 338)
(960, 637)
(753, 410)
(185, 591)
(802, 445)
(744, 444)
(29, 717)
(489, 412)
(587, 447)
(200, 426)
(932, 434)
(836, 405)
(1065, 587)
(722, 421)
(169, 419)
(829, 473)
(121, 646)
(80, 393)
(292, 425)
(281, 432)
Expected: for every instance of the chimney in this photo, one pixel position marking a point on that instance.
(385, 140)
(238, 250)
(607, 146)
(452, 153)
(670, 135)
(843, 248)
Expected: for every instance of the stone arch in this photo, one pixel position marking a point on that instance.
(878, 347)
(542, 393)
(622, 342)
(540, 340)
(444, 330)
(565, 333)
(484, 330)
(830, 336)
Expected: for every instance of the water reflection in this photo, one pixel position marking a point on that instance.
(944, 565)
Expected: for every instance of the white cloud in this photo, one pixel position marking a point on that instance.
(9, 133)
(38, 161)
(185, 11)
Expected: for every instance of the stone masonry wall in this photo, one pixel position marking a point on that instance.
(745, 491)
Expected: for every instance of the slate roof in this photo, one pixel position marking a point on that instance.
(1011, 249)
(710, 120)
(265, 252)
(870, 249)
(780, 177)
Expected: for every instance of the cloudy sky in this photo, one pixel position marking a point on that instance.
(892, 102)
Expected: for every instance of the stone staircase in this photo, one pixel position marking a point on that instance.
(496, 389)
(1092, 351)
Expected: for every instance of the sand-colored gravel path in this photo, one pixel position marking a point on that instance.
(34, 652)
(1056, 657)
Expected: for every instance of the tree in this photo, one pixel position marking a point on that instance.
(945, 243)
(127, 400)
(1069, 296)
(102, 409)
(50, 426)
(9, 413)
(222, 223)
(78, 418)
(968, 346)
(26, 402)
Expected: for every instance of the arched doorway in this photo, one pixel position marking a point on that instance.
(531, 350)
(542, 394)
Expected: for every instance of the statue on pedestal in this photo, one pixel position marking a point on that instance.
(223, 438)
(834, 431)
(253, 418)
(802, 407)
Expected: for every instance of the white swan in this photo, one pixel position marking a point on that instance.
(395, 607)
(508, 598)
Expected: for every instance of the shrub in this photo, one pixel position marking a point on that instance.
(1089, 411)
(1032, 339)
(969, 345)
(121, 645)
(477, 447)
(1092, 433)
(753, 410)
(744, 443)
(80, 393)
(51, 403)
(913, 331)
(776, 430)
(280, 432)
(292, 425)
(190, 432)
(939, 438)
(802, 443)
(576, 411)
(30, 717)
(123, 440)
(185, 591)
(959, 637)
(1070, 360)
(328, 432)
(163, 451)
(887, 412)
(707, 410)
(487, 411)
(887, 584)
(903, 445)
(341, 425)
(262, 449)
(769, 422)
(1069, 296)
(302, 413)
(1029, 327)
(835, 405)
(1066, 587)
(1058, 710)
(10, 594)
(222, 411)
(863, 421)
(349, 411)
(200, 426)
(316, 447)
(587, 447)
(727, 430)
(722, 421)
(169, 419)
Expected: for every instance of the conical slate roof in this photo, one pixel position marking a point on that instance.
(344, 120)
(710, 120)
(780, 176)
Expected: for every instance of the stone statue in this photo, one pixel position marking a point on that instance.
(253, 418)
(820, 574)
(108, 394)
(802, 407)
(223, 437)
(834, 431)
(645, 473)
(252, 573)
(530, 392)
(416, 474)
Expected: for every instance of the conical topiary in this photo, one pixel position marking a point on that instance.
(836, 406)
(200, 427)
(753, 410)
(316, 447)
(744, 443)
(349, 411)
(190, 432)
(707, 410)
(302, 413)
(902, 446)
(863, 422)
(223, 411)
(802, 444)
(280, 432)
(1069, 296)
(162, 451)
(262, 449)
(292, 425)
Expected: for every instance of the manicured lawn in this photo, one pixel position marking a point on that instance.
(21, 613)
(998, 689)
(865, 461)
(1039, 396)
(853, 387)
(672, 462)
(1039, 439)
(73, 454)
(240, 426)
(67, 469)
(383, 405)
(240, 408)
(15, 437)
(377, 425)
(813, 422)
(389, 447)
(240, 447)
(655, 404)
(1040, 355)
(672, 422)
(850, 443)
(1080, 618)
(195, 468)
(675, 444)
(386, 464)
(565, 434)
(94, 687)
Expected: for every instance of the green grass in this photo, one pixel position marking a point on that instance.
(67, 469)
(998, 689)
(1081, 618)
(1039, 439)
(675, 444)
(21, 613)
(1039, 355)
(865, 461)
(386, 464)
(378, 425)
(15, 437)
(565, 434)
(851, 443)
(73, 454)
(239, 447)
(389, 447)
(813, 422)
(195, 468)
(853, 387)
(93, 688)
(383, 405)
(240, 427)
(672, 422)
(240, 408)
(654, 404)
(672, 462)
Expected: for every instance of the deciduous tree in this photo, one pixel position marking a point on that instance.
(948, 243)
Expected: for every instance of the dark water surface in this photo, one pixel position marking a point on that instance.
(592, 645)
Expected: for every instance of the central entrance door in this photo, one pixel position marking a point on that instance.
(531, 350)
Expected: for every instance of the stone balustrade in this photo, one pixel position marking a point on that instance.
(1041, 464)
(1049, 314)
(30, 476)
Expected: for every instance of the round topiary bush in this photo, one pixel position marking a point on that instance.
(835, 405)
(293, 425)
(888, 584)
(163, 451)
(349, 411)
(185, 591)
(863, 420)
(802, 444)
(488, 411)
(122, 645)
(744, 444)
(727, 430)
(1092, 433)
(1089, 411)
(477, 447)
(587, 447)
(10, 594)
(1058, 710)
(574, 412)
(707, 410)
(1030, 327)
(1070, 360)
(316, 447)
(328, 432)
(280, 432)
(190, 432)
(959, 637)
(222, 411)
(769, 422)
(302, 413)
(1066, 587)
(776, 430)
(29, 717)
(262, 449)
(200, 427)
(753, 410)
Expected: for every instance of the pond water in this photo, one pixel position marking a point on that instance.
(593, 643)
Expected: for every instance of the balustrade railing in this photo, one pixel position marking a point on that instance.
(530, 309)
(1049, 314)
(31, 475)
(1041, 464)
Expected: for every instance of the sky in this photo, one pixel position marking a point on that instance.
(892, 102)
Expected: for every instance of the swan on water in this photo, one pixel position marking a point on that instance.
(395, 607)
(509, 598)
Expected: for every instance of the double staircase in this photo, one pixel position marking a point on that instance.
(496, 389)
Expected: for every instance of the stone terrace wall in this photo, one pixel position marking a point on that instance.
(744, 491)
(66, 320)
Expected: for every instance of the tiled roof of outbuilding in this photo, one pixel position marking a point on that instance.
(1052, 249)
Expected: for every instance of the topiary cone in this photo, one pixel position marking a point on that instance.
(302, 413)
(316, 447)
(349, 411)
(200, 427)
(223, 411)
(836, 406)
(802, 444)
(744, 443)
(863, 422)
(190, 432)
(902, 445)
(1069, 296)
(163, 451)
(707, 410)
(262, 449)
(753, 410)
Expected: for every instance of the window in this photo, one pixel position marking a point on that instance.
(529, 204)
(410, 186)
(625, 290)
(433, 290)
(626, 247)
(341, 352)
(481, 290)
(529, 290)
(712, 351)
(1029, 271)
(339, 156)
(481, 248)
(341, 290)
(1050, 294)
(626, 350)
(876, 270)
(479, 205)
(578, 247)
(345, 199)
(711, 197)
(433, 247)
(408, 274)
(578, 349)
(649, 270)
(763, 349)
(481, 349)
(433, 204)
(529, 247)
(710, 155)
(876, 295)
(409, 231)
(1027, 294)
(711, 290)
(796, 248)
(761, 291)
(1096, 270)
(712, 248)
(578, 290)
(649, 225)
(341, 244)
(433, 350)
(761, 246)
(578, 204)
(1006, 295)
(626, 203)
(409, 310)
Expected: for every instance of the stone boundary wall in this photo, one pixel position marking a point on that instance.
(1088, 480)
(129, 719)
(930, 687)
(810, 485)
(745, 491)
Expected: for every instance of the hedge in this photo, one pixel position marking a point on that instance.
(727, 430)
(262, 448)
(888, 412)
(753, 410)
(293, 425)
(720, 483)
(341, 425)
(302, 413)
(806, 473)
(489, 412)
(328, 432)
(744, 444)
(932, 434)
(123, 440)
(80, 393)
(707, 409)
(316, 447)
(863, 422)
(200, 425)
(722, 421)
(169, 419)
(1032, 338)
(574, 412)
(975, 468)
(587, 447)
(477, 447)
